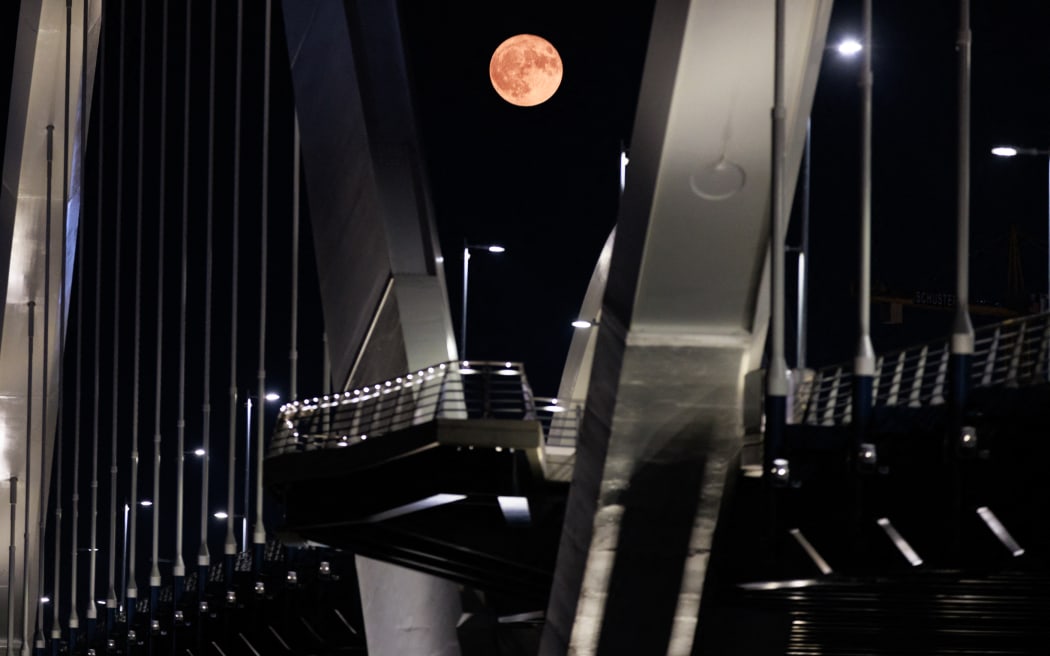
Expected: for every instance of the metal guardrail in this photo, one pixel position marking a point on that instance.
(1014, 353)
(453, 390)
(560, 420)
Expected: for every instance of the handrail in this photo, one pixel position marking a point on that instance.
(560, 420)
(456, 390)
(1012, 353)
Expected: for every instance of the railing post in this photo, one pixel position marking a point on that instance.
(833, 393)
(798, 396)
(895, 385)
(1044, 349)
(915, 397)
(993, 354)
(439, 407)
(876, 380)
(378, 418)
(812, 411)
(318, 423)
(1030, 352)
(527, 395)
(339, 422)
(1015, 358)
(355, 416)
(382, 416)
(938, 386)
(401, 400)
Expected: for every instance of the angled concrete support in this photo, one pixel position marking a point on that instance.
(680, 327)
(376, 249)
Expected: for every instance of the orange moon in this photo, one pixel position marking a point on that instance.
(525, 70)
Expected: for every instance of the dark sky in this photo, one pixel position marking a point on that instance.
(915, 159)
(543, 181)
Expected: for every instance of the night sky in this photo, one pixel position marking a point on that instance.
(544, 182)
(915, 160)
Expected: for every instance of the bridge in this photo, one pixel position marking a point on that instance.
(683, 493)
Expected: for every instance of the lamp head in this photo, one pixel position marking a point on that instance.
(849, 47)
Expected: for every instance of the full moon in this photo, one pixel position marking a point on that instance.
(525, 70)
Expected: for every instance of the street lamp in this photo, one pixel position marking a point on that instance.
(270, 397)
(849, 47)
(142, 503)
(491, 248)
(1014, 151)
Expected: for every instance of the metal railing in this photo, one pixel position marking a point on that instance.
(1013, 353)
(560, 420)
(453, 390)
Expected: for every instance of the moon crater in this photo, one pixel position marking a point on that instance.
(525, 70)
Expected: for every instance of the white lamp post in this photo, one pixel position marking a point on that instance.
(491, 248)
(848, 48)
(864, 360)
(271, 397)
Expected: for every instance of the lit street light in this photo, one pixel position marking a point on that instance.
(270, 397)
(491, 248)
(1013, 151)
(849, 47)
(122, 602)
